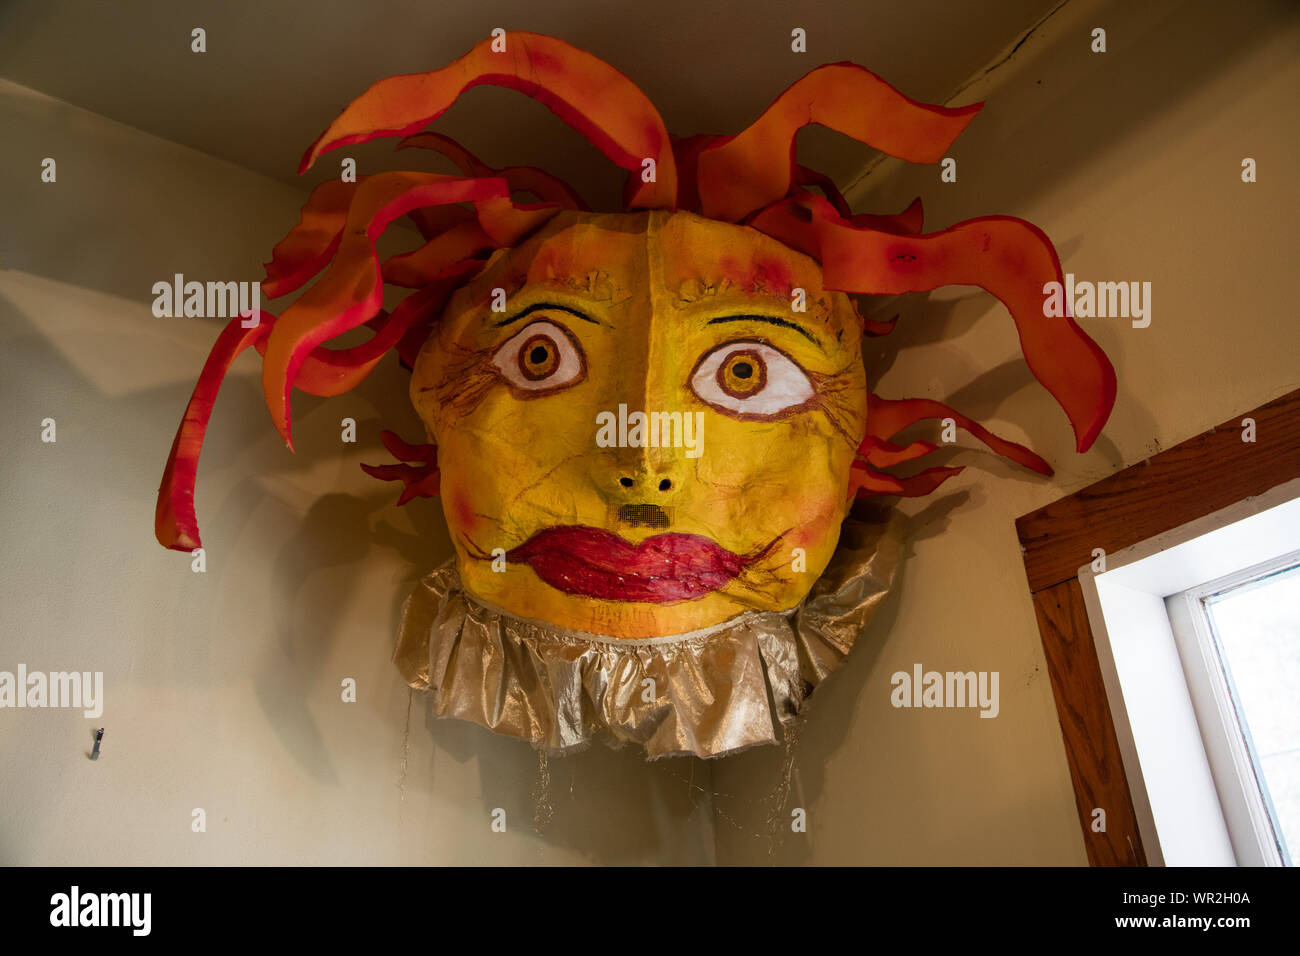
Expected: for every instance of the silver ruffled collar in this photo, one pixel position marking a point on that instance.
(713, 692)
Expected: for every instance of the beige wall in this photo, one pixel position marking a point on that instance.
(1130, 161)
(222, 689)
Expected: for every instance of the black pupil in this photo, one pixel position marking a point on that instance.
(742, 370)
(539, 354)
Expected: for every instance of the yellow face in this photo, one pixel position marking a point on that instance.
(644, 423)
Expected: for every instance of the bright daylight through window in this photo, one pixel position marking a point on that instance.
(1256, 628)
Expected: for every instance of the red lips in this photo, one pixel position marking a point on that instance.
(596, 563)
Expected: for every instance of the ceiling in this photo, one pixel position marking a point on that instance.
(277, 71)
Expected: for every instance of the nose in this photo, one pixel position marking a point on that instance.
(646, 499)
(646, 483)
(642, 495)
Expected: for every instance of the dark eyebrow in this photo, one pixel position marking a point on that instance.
(543, 305)
(770, 319)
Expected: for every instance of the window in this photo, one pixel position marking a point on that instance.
(1213, 510)
(1198, 637)
(1241, 634)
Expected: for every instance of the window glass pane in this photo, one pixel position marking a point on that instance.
(1258, 629)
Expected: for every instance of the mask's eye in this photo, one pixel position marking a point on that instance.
(750, 380)
(540, 357)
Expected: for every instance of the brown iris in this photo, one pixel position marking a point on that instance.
(742, 374)
(539, 357)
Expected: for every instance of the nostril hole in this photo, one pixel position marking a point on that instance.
(625, 482)
(665, 485)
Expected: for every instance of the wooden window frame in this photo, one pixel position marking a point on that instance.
(1196, 478)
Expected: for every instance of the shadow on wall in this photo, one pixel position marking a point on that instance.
(1158, 55)
(808, 752)
(73, 236)
(610, 806)
(1148, 71)
(122, 439)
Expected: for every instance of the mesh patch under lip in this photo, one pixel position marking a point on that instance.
(651, 516)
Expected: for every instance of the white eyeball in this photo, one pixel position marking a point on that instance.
(750, 380)
(541, 356)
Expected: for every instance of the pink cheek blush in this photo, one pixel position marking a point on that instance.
(462, 511)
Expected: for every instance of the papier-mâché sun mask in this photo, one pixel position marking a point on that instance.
(647, 427)
(663, 430)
